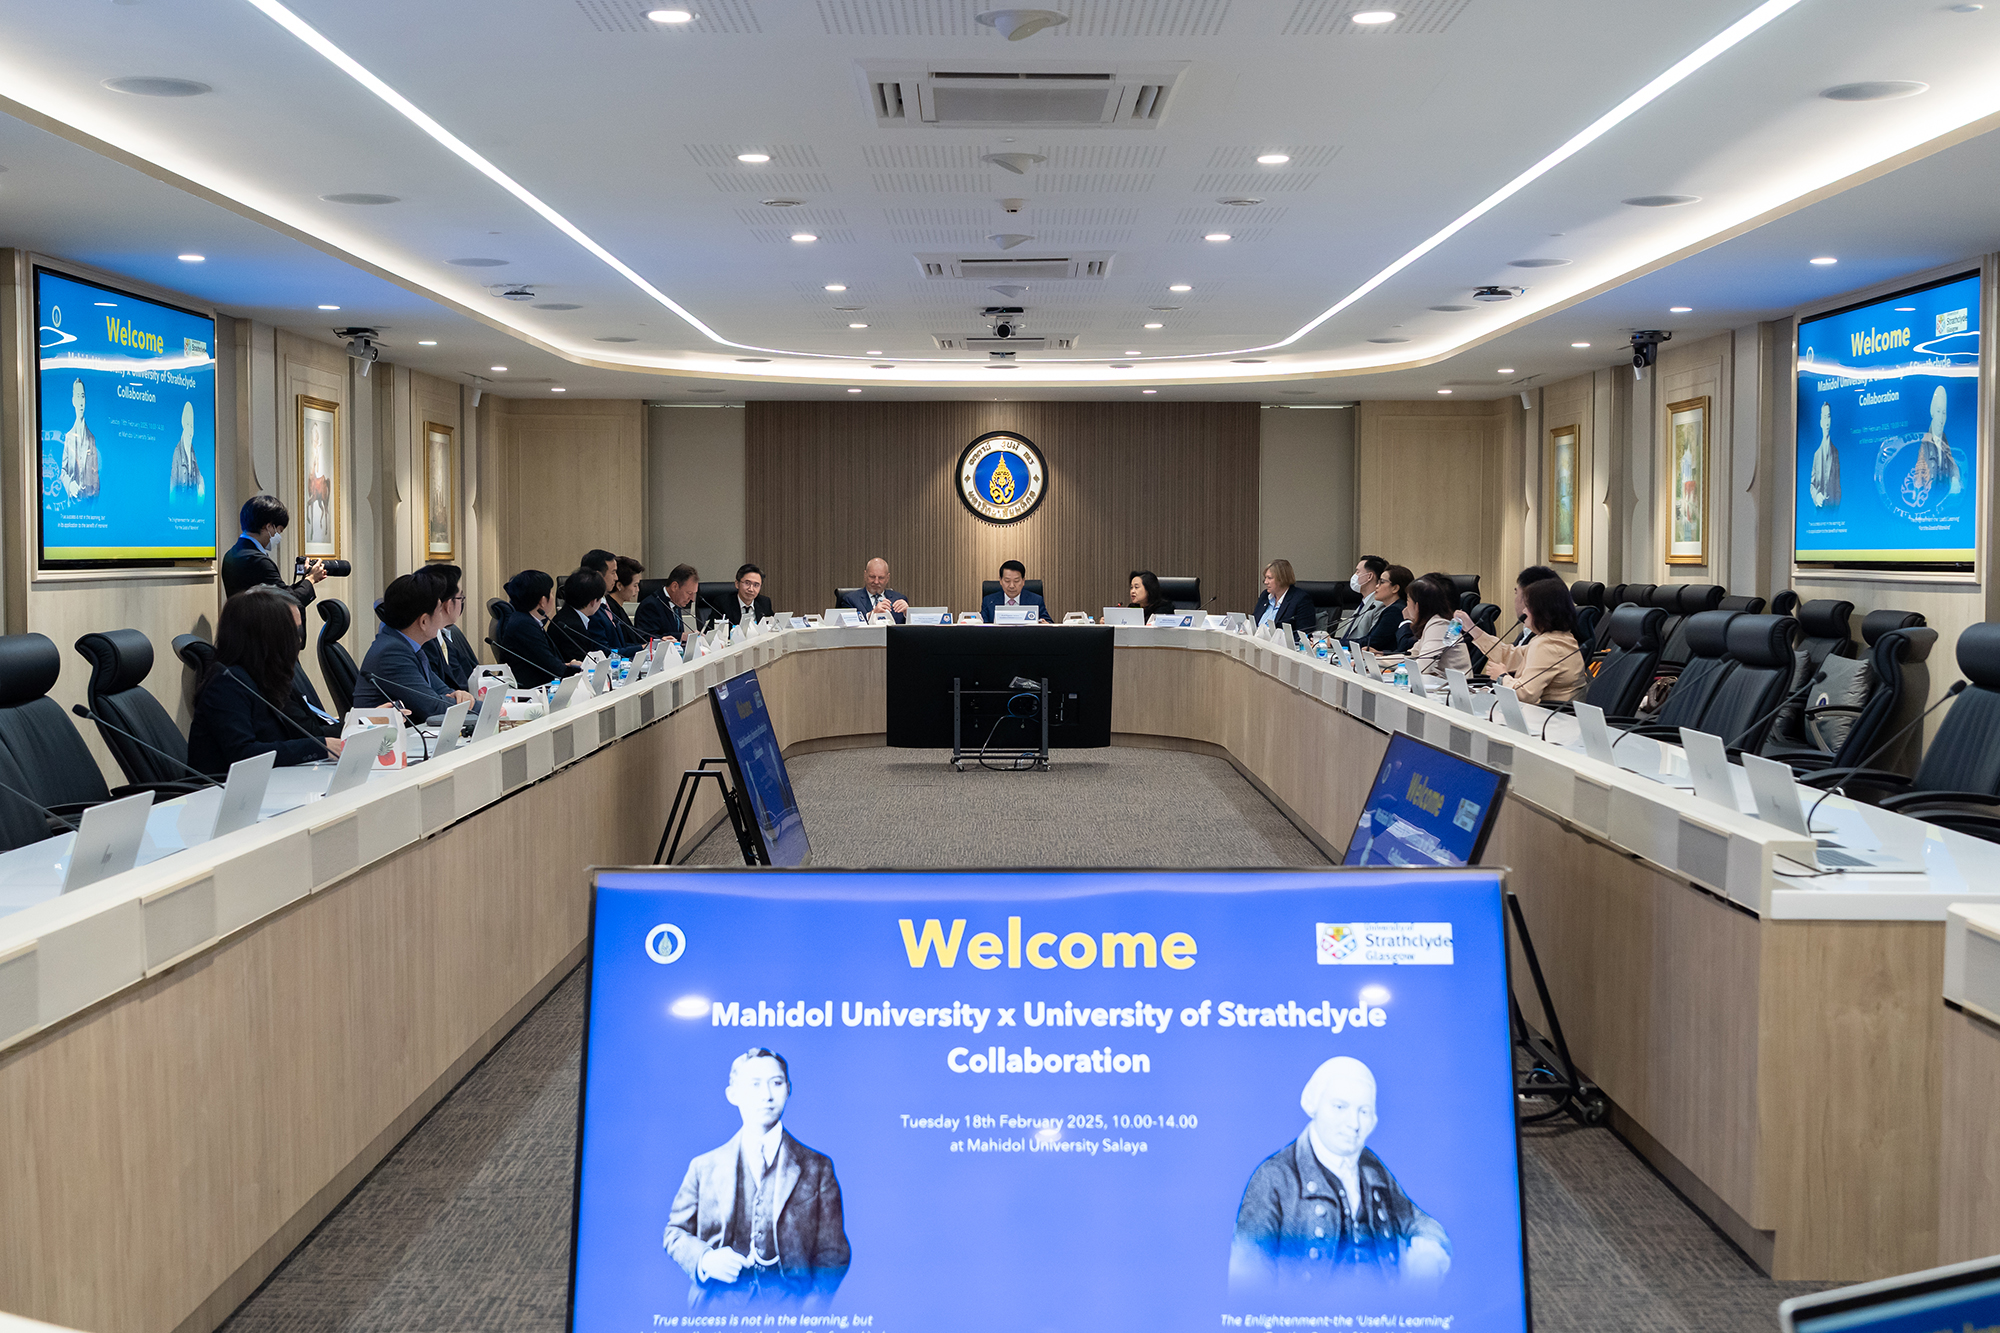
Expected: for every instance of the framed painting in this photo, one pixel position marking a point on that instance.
(440, 518)
(1561, 495)
(1687, 482)
(317, 519)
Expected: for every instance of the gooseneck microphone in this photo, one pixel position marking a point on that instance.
(1782, 704)
(39, 807)
(524, 662)
(182, 765)
(279, 713)
(1862, 767)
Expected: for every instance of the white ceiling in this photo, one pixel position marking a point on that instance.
(629, 132)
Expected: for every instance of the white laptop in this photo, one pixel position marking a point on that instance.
(1708, 765)
(1015, 615)
(358, 754)
(1510, 709)
(1596, 733)
(1417, 685)
(1343, 654)
(567, 690)
(1777, 795)
(488, 724)
(243, 793)
(449, 729)
(1124, 615)
(927, 615)
(107, 841)
(1460, 685)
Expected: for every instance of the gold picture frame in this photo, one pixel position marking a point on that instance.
(439, 525)
(1687, 482)
(318, 456)
(1560, 494)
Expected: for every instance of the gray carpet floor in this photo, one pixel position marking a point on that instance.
(467, 1224)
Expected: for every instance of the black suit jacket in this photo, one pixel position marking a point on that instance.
(1295, 609)
(406, 672)
(762, 608)
(528, 650)
(628, 635)
(452, 657)
(860, 601)
(229, 725)
(1387, 626)
(997, 599)
(570, 636)
(244, 566)
(659, 618)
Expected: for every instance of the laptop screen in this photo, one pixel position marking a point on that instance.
(1944, 1300)
(1428, 808)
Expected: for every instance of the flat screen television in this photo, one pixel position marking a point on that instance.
(1887, 450)
(125, 390)
(1064, 1101)
(923, 660)
(1962, 1296)
(757, 767)
(1428, 807)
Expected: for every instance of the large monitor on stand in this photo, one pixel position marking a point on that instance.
(924, 660)
(1428, 808)
(757, 767)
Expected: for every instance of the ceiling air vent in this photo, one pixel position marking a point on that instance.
(903, 96)
(1018, 343)
(1017, 268)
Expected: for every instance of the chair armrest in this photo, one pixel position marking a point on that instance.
(1905, 802)
(1876, 777)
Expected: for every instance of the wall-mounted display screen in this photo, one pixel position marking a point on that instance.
(127, 420)
(1888, 431)
(1022, 1101)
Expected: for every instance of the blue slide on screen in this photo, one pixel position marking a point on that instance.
(127, 419)
(1888, 431)
(1428, 808)
(1059, 1101)
(759, 767)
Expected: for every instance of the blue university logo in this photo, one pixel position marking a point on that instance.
(1001, 477)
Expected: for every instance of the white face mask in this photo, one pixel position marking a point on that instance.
(1354, 582)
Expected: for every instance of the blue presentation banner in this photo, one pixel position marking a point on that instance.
(1888, 430)
(127, 415)
(1050, 1101)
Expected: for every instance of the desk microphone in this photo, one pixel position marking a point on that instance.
(524, 662)
(1782, 704)
(1862, 767)
(182, 765)
(280, 713)
(39, 807)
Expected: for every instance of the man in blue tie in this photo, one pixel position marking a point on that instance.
(413, 613)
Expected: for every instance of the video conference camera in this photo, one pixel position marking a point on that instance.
(1646, 348)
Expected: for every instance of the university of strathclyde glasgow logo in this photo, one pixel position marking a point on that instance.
(1001, 477)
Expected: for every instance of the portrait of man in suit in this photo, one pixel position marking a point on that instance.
(757, 1221)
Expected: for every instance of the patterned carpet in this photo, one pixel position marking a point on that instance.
(467, 1224)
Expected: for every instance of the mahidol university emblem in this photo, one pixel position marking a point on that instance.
(1001, 477)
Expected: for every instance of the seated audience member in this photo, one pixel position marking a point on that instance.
(395, 671)
(613, 629)
(1427, 608)
(1532, 574)
(451, 653)
(1549, 667)
(1358, 622)
(668, 612)
(749, 600)
(1144, 593)
(256, 651)
(1388, 591)
(1013, 592)
(569, 628)
(875, 596)
(1281, 603)
(524, 640)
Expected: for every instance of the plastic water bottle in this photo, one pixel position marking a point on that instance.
(1321, 649)
(1453, 633)
(617, 671)
(1402, 675)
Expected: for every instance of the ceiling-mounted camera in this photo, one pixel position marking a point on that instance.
(361, 346)
(1005, 325)
(1646, 349)
(1497, 293)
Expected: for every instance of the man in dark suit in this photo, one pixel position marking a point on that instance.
(1013, 592)
(252, 562)
(757, 1222)
(569, 628)
(668, 613)
(875, 595)
(451, 654)
(623, 587)
(412, 615)
(749, 600)
(610, 627)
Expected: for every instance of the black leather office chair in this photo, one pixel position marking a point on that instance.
(1742, 707)
(20, 823)
(1689, 599)
(497, 611)
(1752, 605)
(195, 652)
(1487, 617)
(1706, 634)
(1329, 600)
(840, 596)
(1863, 700)
(120, 660)
(1823, 633)
(647, 587)
(718, 599)
(1185, 593)
(1633, 633)
(1785, 603)
(336, 664)
(56, 767)
(1639, 594)
(991, 586)
(1588, 595)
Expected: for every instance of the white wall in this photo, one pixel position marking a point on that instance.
(1306, 492)
(695, 502)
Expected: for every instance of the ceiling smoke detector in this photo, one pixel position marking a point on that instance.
(1497, 293)
(1020, 24)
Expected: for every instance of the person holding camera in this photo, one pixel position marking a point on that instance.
(253, 561)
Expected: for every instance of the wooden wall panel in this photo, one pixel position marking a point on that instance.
(573, 477)
(1171, 487)
(1430, 483)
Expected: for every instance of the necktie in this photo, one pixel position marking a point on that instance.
(1012, 602)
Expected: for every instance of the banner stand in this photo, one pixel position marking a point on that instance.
(683, 806)
(1550, 1073)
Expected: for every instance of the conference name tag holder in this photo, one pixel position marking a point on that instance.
(1015, 615)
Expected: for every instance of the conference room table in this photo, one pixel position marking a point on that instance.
(199, 1058)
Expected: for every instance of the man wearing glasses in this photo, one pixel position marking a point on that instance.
(450, 653)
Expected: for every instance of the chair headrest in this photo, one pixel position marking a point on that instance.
(1587, 593)
(1708, 632)
(1614, 595)
(1698, 597)
(1667, 596)
(194, 651)
(1877, 623)
(334, 612)
(1978, 654)
(1637, 628)
(29, 668)
(1762, 641)
(1785, 603)
(1907, 646)
(119, 659)
(1639, 593)
(1753, 605)
(1825, 618)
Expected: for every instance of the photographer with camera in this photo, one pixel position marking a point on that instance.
(253, 563)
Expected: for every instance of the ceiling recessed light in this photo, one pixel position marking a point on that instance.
(1824, 260)
(1504, 370)
(478, 263)
(1875, 90)
(1579, 344)
(803, 236)
(1536, 263)
(329, 307)
(1149, 391)
(1966, 9)
(1680, 310)
(202, 259)
(614, 338)
(1132, 353)
(427, 342)
(753, 158)
(1388, 340)
(361, 199)
(882, 365)
(1371, 17)
(857, 326)
(1216, 236)
(1661, 200)
(501, 369)
(1451, 309)
(1121, 365)
(752, 360)
(1247, 361)
(1156, 326)
(1444, 390)
(1273, 159)
(1181, 287)
(854, 391)
(557, 388)
(836, 286)
(670, 15)
(873, 351)
(153, 86)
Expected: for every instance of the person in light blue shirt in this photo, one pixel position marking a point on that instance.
(1281, 603)
(396, 669)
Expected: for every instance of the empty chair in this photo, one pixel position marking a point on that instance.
(1745, 701)
(1589, 598)
(1461, 584)
(1633, 636)
(714, 599)
(1708, 665)
(1182, 591)
(194, 651)
(120, 660)
(1639, 594)
(1865, 699)
(54, 764)
(335, 663)
(1689, 599)
(1823, 626)
(1785, 603)
(1753, 605)
(840, 595)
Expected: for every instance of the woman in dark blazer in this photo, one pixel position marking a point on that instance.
(1281, 603)
(256, 650)
(525, 644)
(1397, 580)
(1146, 595)
(570, 628)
